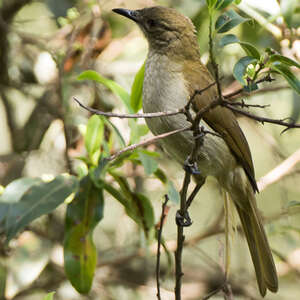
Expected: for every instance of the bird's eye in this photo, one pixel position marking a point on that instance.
(151, 23)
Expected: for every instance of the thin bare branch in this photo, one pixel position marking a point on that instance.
(148, 141)
(283, 169)
(159, 234)
(129, 116)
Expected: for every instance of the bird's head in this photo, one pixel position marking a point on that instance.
(165, 29)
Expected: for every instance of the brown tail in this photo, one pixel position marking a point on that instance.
(265, 270)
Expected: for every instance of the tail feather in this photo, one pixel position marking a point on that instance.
(265, 270)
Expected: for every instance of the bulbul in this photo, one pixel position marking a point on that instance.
(173, 72)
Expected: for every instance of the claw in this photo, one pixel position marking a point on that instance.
(183, 221)
(192, 168)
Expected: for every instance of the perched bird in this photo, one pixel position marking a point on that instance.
(173, 72)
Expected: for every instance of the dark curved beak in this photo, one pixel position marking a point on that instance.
(130, 14)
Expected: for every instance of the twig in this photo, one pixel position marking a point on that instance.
(263, 119)
(267, 78)
(180, 236)
(159, 233)
(283, 169)
(243, 104)
(130, 116)
(148, 141)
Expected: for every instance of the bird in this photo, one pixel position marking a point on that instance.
(173, 72)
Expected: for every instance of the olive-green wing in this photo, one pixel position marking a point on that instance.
(220, 119)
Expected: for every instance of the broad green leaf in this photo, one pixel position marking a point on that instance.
(49, 296)
(80, 254)
(173, 194)
(137, 90)
(221, 4)
(150, 164)
(15, 190)
(112, 85)
(229, 20)
(237, 2)
(137, 131)
(36, 201)
(283, 70)
(240, 68)
(137, 206)
(94, 135)
(228, 39)
(284, 60)
(247, 47)
(250, 50)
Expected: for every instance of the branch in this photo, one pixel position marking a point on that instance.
(130, 116)
(148, 142)
(283, 169)
(159, 234)
(263, 119)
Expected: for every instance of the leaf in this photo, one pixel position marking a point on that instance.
(221, 4)
(229, 20)
(173, 194)
(160, 174)
(49, 296)
(293, 203)
(228, 39)
(240, 68)
(15, 190)
(284, 60)
(211, 3)
(247, 47)
(112, 85)
(80, 254)
(150, 165)
(117, 132)
(250, 50)
(137, 90)
(283, 70)
(94, 136)
(137, 206)
(36, 201)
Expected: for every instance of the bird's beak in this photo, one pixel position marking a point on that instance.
(131, 14)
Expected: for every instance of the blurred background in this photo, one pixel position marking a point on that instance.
(44, 46)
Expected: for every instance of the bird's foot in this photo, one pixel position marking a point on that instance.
(183, 220)
(191, 167)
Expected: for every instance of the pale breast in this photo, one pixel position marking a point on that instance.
(165, 90)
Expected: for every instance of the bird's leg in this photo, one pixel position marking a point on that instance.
(191, 166)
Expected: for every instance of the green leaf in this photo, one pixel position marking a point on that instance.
(293, 203)
(221, 4)
(150, 164)
(137, 206)
(228, 39)
(173, 194)
(250, 50)
(117, 132)
(160, 174)
(49, 296)
(211, 3)
(36, 201)
(247, 47)
(112, 85)
(137, 90)
(283, 70)
(80, 254)
(94, 136)
(15, 190)
(284, 60)
(240, 68)
(229, 20)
